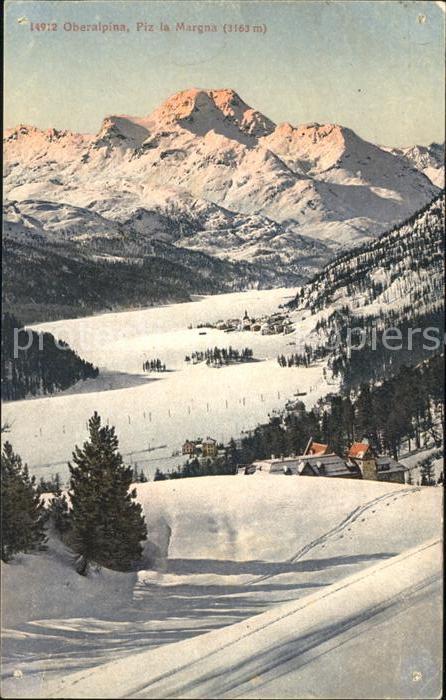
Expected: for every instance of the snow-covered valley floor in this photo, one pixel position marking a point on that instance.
(150, 410)
(260, 586)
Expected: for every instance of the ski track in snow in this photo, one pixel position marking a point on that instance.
(206, 672)
(282, 657)
(210, 590)
(348, 520)
(351, 518)
(320, 637)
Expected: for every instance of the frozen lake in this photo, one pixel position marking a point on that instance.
(151, 410)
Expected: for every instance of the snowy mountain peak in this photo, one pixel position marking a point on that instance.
(314, 131)
(428, 159)
(24, 144)
(311, 147)
(322, 181)
(222, 111)
(129, 132)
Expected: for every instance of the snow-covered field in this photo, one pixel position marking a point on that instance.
(150, 410)
(260, 586)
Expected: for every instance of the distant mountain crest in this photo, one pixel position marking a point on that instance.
(428, 159)
(284, 198)
(201, 111)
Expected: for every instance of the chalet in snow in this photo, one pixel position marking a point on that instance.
(360, 462)
(207, 448)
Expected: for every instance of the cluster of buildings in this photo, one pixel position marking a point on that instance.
(266, 325)
(360, 462)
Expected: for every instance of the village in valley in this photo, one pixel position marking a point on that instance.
(271, 324)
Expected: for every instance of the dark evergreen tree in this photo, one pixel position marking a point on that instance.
(159, 475)
(107, 526)
(59, 514)
(142, 477)
(49, 485)
(427, 472)
(232, 456)
(385, 413)
(23, 515)
(364, 415)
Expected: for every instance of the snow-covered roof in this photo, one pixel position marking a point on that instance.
(327, 465)
(388, 464)
(321, 465)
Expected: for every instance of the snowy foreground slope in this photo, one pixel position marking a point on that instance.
(263, 656)
(345, 576)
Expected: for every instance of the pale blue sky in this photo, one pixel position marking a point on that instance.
(375, 66)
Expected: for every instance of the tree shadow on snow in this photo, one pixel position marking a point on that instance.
(226, 567)
(108, 381)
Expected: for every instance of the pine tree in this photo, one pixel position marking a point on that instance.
(232, 456)
(427, 472)
(59, 513)
(23, 515)
(107, 526)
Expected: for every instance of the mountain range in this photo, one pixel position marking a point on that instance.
(210, 185)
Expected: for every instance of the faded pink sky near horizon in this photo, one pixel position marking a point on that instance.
(376, 67)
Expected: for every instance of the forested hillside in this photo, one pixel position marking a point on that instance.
(48, 280)
(402, 267)
(407, 407)
(33, 364)
(379, 306)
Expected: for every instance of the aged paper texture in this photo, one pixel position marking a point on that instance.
(222, 349)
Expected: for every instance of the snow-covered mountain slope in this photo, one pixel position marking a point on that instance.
(208, 149)
(220, 551)
(428, 159)
(58, 222)
(221, 111)
(196, 224)
(402, 268)
(176, 236)
(61, 260)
